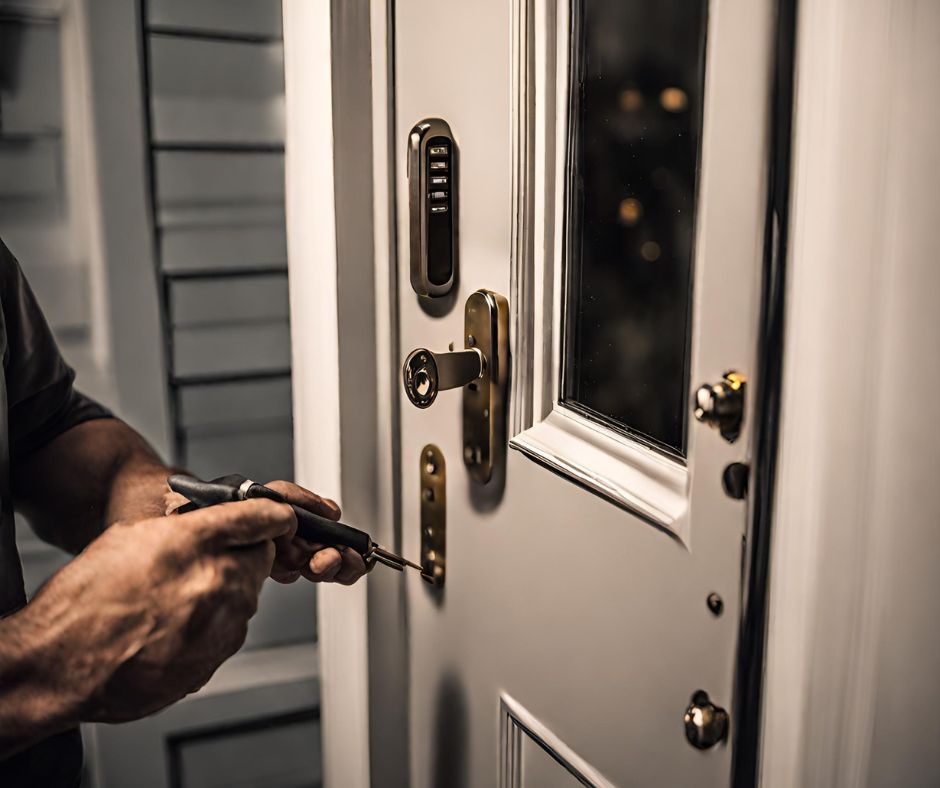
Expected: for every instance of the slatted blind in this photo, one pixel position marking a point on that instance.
(215, 101)
(215, 95)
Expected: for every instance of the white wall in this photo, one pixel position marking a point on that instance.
(852, 681)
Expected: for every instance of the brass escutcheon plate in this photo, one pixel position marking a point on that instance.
(486, 327)
(433, 514)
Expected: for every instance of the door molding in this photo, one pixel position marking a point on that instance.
(642, 480)
(516, 723)
(314, 300)
(626, 472)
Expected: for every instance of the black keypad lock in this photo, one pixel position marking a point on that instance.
(432, 203)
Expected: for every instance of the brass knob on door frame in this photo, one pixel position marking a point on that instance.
(721, 405)
(705, 723)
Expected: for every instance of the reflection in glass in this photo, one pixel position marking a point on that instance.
(636, 106)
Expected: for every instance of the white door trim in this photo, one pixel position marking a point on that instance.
(311, 244)
(859, 310)
(622, 468)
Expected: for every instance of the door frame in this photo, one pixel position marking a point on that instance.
(850, 494)
(342, 269)
(351, 619)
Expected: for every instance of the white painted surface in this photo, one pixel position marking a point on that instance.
(531, 755)
(851, 686)
(592, 618)
(311, 242)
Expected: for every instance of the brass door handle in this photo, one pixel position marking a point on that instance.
(426, 373)
(481, 369)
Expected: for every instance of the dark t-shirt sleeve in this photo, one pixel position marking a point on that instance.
(41, 399)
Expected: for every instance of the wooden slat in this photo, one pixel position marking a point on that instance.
(230, 300)
(227, 349)
(216, 91)
(231, 403)
(259, 17)
(259, 454)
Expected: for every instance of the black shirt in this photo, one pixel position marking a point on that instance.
(37, 403)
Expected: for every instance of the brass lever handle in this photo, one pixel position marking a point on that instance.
(481, 369)
(425, 373)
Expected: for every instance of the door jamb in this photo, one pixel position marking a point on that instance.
(312, 263)
(849, 493)
(749, 670)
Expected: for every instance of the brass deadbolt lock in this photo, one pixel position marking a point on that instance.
(721, 405)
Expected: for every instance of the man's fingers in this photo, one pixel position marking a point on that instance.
(242, 523)
(354, 567)
(324, 565)
(173, 501)
(292, 554)
(285, 576)
(308, 500)
(257, 561)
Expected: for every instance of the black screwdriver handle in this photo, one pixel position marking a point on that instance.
(310, 526)
(315, 528)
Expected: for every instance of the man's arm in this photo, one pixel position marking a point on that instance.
(101, 472)
(141, 618)
(89, 477)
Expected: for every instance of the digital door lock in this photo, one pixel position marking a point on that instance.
(432, 207)
(481, 368)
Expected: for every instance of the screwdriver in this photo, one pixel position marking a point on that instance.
(310, 526)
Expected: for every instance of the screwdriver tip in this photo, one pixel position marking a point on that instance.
(393, 560)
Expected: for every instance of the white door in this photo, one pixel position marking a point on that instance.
(610, 170)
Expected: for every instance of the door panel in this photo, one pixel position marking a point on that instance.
(577, 580)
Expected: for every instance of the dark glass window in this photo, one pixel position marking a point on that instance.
(633, 163)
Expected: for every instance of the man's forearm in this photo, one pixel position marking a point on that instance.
(89, 477)
(36, 700)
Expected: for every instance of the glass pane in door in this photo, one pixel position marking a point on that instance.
(637, 88)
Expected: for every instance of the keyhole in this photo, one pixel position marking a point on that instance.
(422, 383)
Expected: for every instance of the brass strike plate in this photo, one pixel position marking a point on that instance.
(433, 514)
(486, 327)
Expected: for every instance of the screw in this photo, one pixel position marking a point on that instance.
(471, 340)
(715, 604)
(428, 494)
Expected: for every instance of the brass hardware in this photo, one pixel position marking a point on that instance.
(426, 373)
(721, 405)
(482, 369)
(433, 514)
(705, 723)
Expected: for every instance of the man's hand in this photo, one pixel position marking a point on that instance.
(138, 620)
(296, 557)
